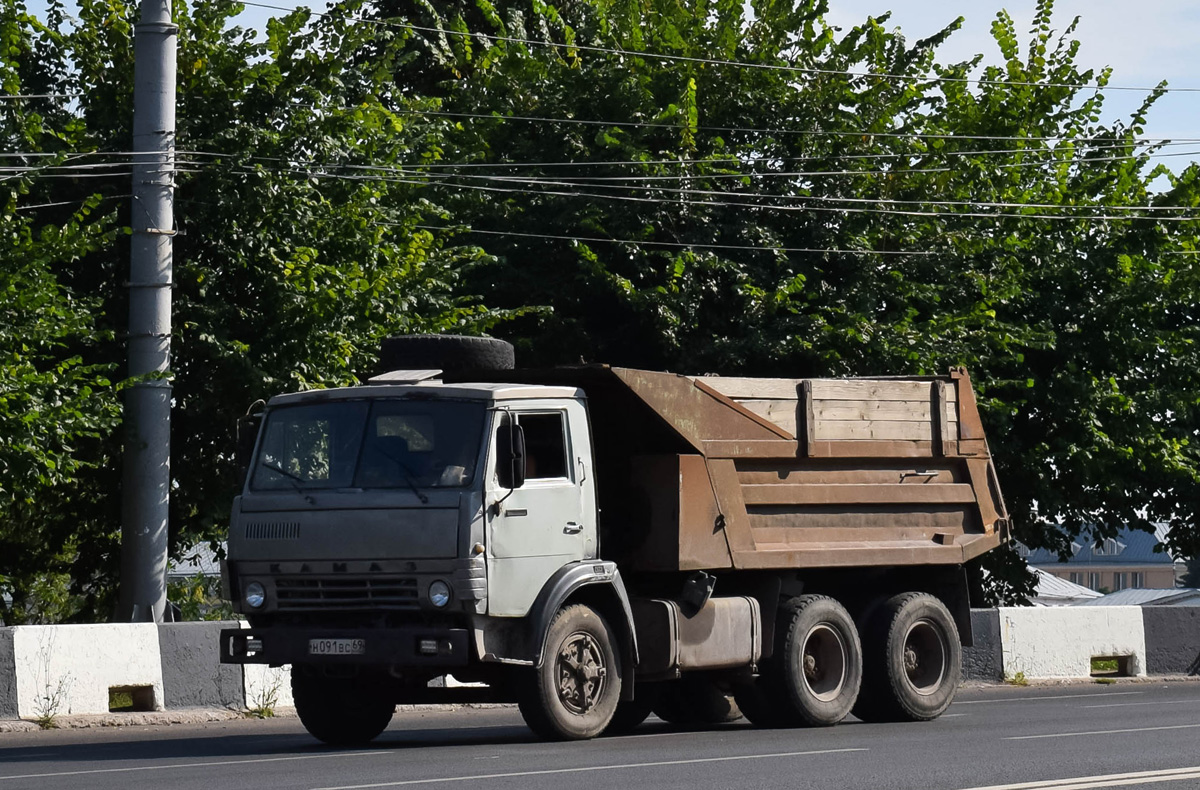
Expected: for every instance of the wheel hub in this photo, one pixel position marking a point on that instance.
(926, 657)
(581, 673)
(824, 662)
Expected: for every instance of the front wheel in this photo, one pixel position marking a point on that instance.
(574, 693)
(340, 711)
(914, 660)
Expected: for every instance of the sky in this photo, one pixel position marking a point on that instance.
(1144, 42)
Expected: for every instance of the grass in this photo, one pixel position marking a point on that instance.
(119, 701)
(1018, 679)
(1104, 665)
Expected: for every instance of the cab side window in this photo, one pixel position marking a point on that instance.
(545, 445)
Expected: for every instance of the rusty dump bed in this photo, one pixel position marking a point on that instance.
(709, 472)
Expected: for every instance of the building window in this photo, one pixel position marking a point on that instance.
(1119, 581)
(1139, 580)
(1094, 581)
(1076, 577)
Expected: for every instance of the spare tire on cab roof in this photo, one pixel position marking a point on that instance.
(445, 352)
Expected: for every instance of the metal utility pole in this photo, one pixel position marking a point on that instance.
(146, 480)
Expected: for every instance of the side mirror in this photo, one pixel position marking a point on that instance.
(247, 435)
(510, 459)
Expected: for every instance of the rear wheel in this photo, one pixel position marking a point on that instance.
(574, 693)
(815, 674)
(340, 711)
(914, 660)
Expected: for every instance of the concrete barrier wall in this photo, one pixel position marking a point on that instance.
(1172, 639)
(8, 676)
(76, 665)
(70, 668)
(985, 659)
(1060, 641)
(193, 675)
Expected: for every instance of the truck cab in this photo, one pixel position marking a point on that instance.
(399, 501)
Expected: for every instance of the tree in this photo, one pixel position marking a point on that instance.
(766, 196)
(289, 265)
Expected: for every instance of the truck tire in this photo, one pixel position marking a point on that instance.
(913, 660)
(445, 352)
(695, 701)
(574, 693)
(630, 713)
(340, 711)
(815, 674)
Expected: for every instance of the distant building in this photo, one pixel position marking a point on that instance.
(1178, 597)
(1128, 561)
(1053, 591)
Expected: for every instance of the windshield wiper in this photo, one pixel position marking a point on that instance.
(409, 477)
(274, 467)
(295, 480)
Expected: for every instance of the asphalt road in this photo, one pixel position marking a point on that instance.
(1074, 737)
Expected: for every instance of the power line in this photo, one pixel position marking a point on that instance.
(716, 61)
(418, 169)
(10, 96)
(98, 198)
(1137, 142)
(880, 201)
(444, 181)
(674, 244)
(737, 204)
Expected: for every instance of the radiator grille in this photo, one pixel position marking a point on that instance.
(273, 530)
(339, 592)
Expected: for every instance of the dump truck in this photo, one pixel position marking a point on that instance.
(597, 543)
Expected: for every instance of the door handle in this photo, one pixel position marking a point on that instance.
(573, 528)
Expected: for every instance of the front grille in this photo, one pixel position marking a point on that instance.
(272, 530)
(338, 592)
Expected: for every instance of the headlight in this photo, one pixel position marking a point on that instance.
(256, 595)
(439, 593)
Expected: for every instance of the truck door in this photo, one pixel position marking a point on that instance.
(549, 521)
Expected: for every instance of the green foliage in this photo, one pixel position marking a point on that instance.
(199, 598)
(744, 220)
(1076, 317)
(287, 271)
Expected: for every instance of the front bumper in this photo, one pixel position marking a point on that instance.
(404, 646)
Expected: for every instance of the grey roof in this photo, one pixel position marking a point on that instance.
(1053, 591)
(197, 559)
(1133, 547)
(1148, 597)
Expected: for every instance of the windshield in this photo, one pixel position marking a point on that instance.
(370, 444)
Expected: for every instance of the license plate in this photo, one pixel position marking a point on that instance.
(337, 647)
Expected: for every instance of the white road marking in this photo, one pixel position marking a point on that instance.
(589, 768)
(1100, 732)
(1108, 780)
(1132, 704)
(951, 715)
(192, 765)
(1056, 696)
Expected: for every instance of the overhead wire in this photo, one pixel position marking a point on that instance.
(676, 244)
(741, 204)
(798, 132)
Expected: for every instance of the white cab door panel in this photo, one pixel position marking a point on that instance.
(548, 522)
